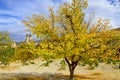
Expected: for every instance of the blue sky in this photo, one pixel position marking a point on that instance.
(13, 11)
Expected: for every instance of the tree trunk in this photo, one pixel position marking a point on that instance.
(71, 77)
(72, 67)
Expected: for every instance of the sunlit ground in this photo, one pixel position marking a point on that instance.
(16, 71)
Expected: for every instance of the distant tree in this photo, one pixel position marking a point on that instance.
(6, 52)
(5, 39)
(25, 52)
(67, 35)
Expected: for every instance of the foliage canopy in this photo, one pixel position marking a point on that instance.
(67, 35)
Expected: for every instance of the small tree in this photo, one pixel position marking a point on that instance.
(67, 35)
(6, 52)
(24, 52)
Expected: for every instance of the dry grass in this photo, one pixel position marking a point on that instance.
(8, 67)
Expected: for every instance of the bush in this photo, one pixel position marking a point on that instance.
(6, 55)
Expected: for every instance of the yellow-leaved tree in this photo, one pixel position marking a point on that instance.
(67, 35)
(25, 52)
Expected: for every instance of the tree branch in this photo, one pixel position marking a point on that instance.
(67, 16)
(72, 26)
(67, 61)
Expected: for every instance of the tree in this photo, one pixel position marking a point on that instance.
(113, 50)
(67, 35)
(6, 52)
(24, 52)
(5, 39)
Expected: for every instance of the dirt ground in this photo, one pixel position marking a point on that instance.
(48, 76)
(37, 71)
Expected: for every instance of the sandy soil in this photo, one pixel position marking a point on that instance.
(37, 71)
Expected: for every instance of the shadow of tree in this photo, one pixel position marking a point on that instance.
(43, 76)
(35, 76)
